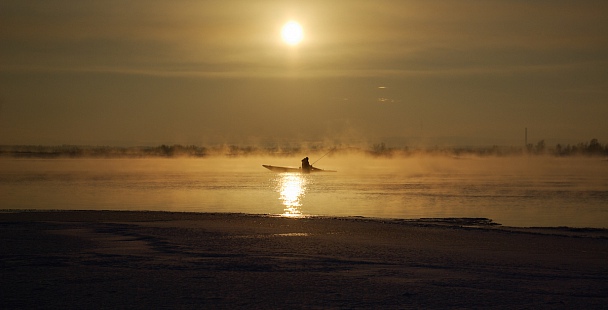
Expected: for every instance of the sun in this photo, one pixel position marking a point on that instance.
(292, 33)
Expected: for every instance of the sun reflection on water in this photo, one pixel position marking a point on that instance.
(292, 188)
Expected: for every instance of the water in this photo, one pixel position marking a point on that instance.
(521, 191)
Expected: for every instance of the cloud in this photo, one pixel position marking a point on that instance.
(344, 38)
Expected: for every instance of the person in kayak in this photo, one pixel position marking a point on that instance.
(306, 167)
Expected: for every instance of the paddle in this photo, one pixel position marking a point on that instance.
(323, 156)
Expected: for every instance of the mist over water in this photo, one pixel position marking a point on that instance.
(513, 191)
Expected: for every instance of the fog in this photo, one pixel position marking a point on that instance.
(345, 161)
(523, 190)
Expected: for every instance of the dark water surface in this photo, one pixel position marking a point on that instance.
(521, 191)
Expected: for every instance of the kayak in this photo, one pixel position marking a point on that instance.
(293, 169)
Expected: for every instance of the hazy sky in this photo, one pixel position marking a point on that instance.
(147, 72)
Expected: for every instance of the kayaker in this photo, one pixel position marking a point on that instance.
(306, 165)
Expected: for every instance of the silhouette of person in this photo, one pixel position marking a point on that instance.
(306, 167)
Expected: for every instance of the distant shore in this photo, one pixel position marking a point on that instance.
(592, 148)
(126, 259)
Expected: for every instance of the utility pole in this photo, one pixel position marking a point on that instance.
(526, 139)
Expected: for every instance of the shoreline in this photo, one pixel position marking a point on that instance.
(143, 259)
(464, 222)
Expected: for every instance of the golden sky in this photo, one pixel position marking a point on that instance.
(403, 72)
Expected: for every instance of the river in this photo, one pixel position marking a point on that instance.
(514, 191)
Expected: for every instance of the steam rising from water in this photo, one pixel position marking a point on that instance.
(518, 190)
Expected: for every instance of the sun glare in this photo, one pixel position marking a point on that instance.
(292, 33)
(292, 187)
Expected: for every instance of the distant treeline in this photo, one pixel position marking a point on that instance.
(40, 151)
(591, 148)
